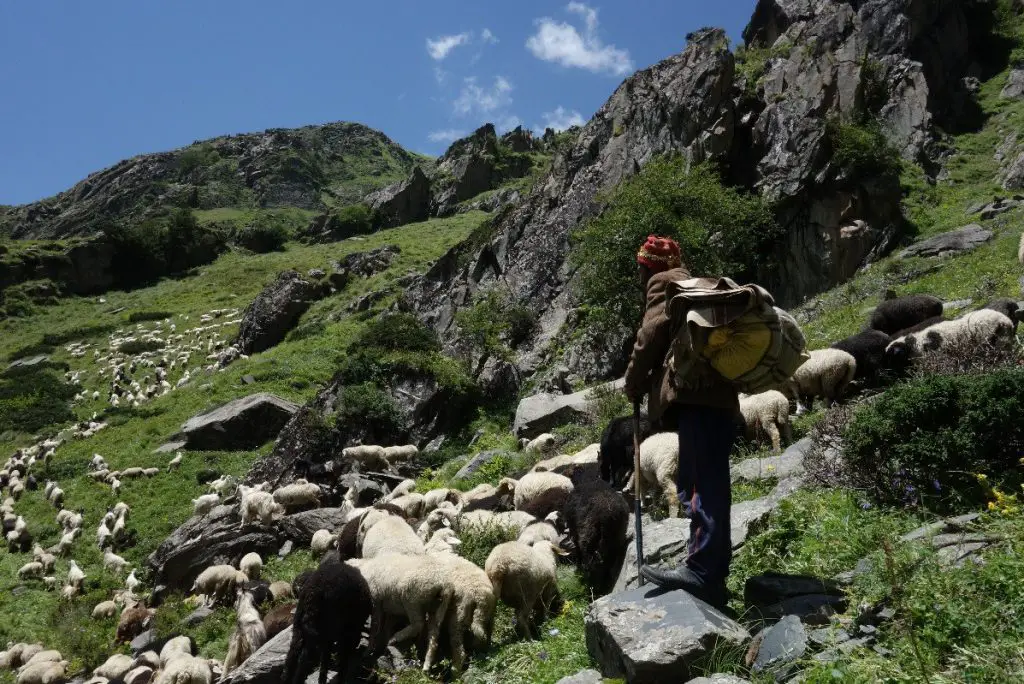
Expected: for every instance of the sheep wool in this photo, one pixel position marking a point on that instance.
(389, 536)
(524, 578)
(248, 636)
(252, 565)
(541, 493)
(826, 374)
(767, 413)
(659, 463)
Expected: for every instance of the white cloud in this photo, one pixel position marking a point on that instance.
(473, 98)
(487, 37)
(439, 48)
(446, 136)
(562, 43)
(562, 118)
(440, 75)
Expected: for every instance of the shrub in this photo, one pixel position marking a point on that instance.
(139, 346)
(493, 324)
(479, 541)
(142, 316)
(195, 158)
(861, 149)
(397, 331)
(355, 219)
(266, 233)
(941, 441)
(721, 232)
(369, 407)
(32, 399)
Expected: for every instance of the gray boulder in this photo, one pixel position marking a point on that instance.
(402, 203)
(583, 677)
(664, 546)
(649, 636)
(954, 242)
(541, 412)
(27, 362)
(787, 464)
(366, 264)
(300, 527)
(265, 666)
(479, 460)
(244, 423)
(275, 311)
(1013, 177)
(780, 647)
(1014, 87)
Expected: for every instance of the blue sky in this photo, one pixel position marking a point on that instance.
(84, 84)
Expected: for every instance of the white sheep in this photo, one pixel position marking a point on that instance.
(47, 672)
(322, 542)
(659, 463)
(114, 562)
(115, 667)
(47, 559)
(141, 674)
(223, 484)
(260, 505)
(418, 588)
(281, 590)
(56, 497)
(175, 462)
(150, 472)
(75, 575)
(31, 570)
(252, 565)
(436, 497)
(767, 412)
(219, 581)
(176, 647)
(104, 610)
(542, 444)
(540, 530)
(826, 374)
(978, 328)
(401, 489)
(103, 535)
(204, 503)
(472, 607)
(132, 473)
(398, 454)
(390, 535)
(298, 494)
(249, 633)
(131, 582)
(541, 493)
(63, 547)
(524, 577)
(367, 456)
(585, 456)
(186, 670)
(410, 504)
(444, 540)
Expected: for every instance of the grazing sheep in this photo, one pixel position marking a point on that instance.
(471, 614)
(417, 588)
(563, 463)
(173, 648)
(151, 472)
(898, 313)
(615, 457)
(367, 456)
(252, 565)
(186, 670)
(826, 374)
(75, 575)
(436, 497)
(104, 610)
(542, 444)
(659, 464)
(487, 497)
(444, 540)
(868, 350)
(334, 604)
(401, 489)
(103, 535)
(411, 505)
(541, 493)
(56, 497)
(260, 505)
(134, 621)
(1009, 308)
(131, 582)
(596, 517)
(539, 530)
(31, 570)
(131, 473)
(175, 462)
(278, 619)
(300, 494)
(47, 559)
(524, 578)
(249, 633)
(390, 535)
(46, 672)
(115, 667)
(142, 674)
(398, 454)
(978, 328)
(51, 583)
(219, 582)
(321, 543)
(114, 562)
(203, 504)
(767, 412)
(281, 590)
(927, 323)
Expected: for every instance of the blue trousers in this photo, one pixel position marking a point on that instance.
(706, 436)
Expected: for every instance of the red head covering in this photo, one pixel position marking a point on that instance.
(659, 254)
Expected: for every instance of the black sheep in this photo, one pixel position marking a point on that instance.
(347, 545)
(260, 590)
(1008, 307)
(898, 313)
(597, 518)
(616, 455)
(868, 348)
(329, 618)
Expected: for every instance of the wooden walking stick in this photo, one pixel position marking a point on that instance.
(637, 491)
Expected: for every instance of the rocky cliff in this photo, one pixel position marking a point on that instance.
(775, 116)
(304, 167)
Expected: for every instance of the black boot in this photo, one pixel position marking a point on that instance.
(686, 579)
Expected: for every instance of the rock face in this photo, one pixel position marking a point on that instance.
(541, 412)
(648, 636)
(954, 242)
(402, 203)
(275, 311)
(902, 62)
(278, 167)
(244, 423)
(366, 264)
(1014, 85)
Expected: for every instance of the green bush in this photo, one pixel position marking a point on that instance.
(493, 325)
(142, 316)
(397, 332)
(355, 219)
(195, 158)
(861, 149)
(33, 399)
(262, 236)
(369, 407)
(478, 541)
(721, 232)
(924, 442)
(140, 346)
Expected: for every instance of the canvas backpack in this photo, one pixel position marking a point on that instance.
(734, 331)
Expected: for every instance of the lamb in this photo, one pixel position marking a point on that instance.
(389, 536)
(131, 582)
(249, 633)
(115, 667)
(897, 313)
(298, 495)
(868, 350)
(252, 565)
(175, 462)
(321, 543)
(539, 530)
(219, 581)
(415, 587)
(541, 493)
(278, 619)
(47, 672)
(767, 412)
(659, 464)
(104, 610)
(827, 374)
(203, 504)
(524, 577)
(398, 454)
(982, 327)
(75, 575)
(615, 458)
(334, 604)
(281, 590)
(114, 562)
(47, 559)
(260, 505)
(597, 519)
(542, 444)
(367, 456)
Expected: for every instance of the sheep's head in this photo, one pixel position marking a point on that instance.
(506, 486)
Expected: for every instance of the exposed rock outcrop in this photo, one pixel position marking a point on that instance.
(275, 311)
(401, 203)
(244, 423)
(954, 242)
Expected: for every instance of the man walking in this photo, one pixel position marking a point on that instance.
(704, 414)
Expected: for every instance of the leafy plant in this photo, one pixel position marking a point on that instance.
(369, 406)
(33, 398)
(861, 149)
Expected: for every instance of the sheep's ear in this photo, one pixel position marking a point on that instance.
(446, 522)
(455, 542)
(559, 550)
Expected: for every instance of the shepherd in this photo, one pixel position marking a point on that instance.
(705, 419)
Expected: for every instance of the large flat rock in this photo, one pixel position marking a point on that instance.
(787, 464)
(649, 636)
(244, 423)
(956, 241)
(541, 412)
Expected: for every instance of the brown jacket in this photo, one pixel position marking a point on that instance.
(648, 369)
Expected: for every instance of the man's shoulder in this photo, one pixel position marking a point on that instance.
(661, 280)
